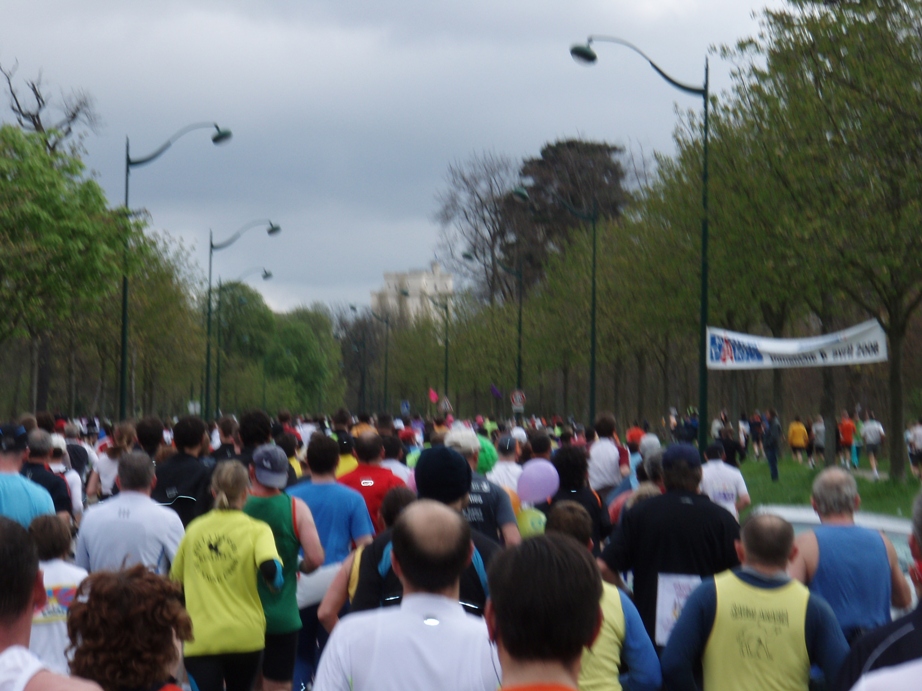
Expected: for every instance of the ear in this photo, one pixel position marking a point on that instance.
(153, 482)
(794, 552)
(39, 594)
(914, 548)
(118, 482)
(395, 565)
(857, 502)
(813, 504)
(470, 555)
(740, 551)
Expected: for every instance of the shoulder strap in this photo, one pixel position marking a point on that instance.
(294, 519)
(385, 564)
(481, 570)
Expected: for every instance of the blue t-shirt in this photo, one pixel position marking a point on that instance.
(21, 500)
(853, 576)
(339, 513)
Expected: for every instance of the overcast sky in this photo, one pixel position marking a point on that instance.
(347, 114)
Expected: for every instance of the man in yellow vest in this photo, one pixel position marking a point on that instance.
(754, 627)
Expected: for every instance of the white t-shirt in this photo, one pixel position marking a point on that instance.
(915, 437)
(904, 677)
(724, 484)
(74, 486)
(506, 474)
(108, 471)
(604, 471)
(397, 468)
(872, 432)
(17, 667)
(128, 529)
(49, 624)
(427, 642)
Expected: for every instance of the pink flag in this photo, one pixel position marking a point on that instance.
(433, 396)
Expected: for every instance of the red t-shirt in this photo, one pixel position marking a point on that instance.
(372, 482)
(847, 431)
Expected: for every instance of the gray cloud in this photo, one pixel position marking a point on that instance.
(347, 114)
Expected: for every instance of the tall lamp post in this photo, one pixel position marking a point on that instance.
(364, 380)
(444, 307)
(266, 275)
(518, 274)
(220, 136)
(271, 229)
(585, 54)
(386, 319)
(521, 194)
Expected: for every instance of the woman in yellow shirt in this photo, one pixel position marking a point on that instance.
(217, 564)
(798, 438)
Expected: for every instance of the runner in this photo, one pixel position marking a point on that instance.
(219, 561)
(293, 528)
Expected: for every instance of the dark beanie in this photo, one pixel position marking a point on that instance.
(442, 474)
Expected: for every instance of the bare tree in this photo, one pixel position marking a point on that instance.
(59, 119)
(475, 214)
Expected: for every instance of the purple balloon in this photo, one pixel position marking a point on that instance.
(538, 481)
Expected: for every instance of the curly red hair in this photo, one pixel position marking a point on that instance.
(121, 626)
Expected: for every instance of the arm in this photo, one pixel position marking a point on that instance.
(173, 535)
(644, 672)
(803, 565)
(826, 644)
(900, 594)
(511, 535)
(81, 554)
(742, 502)
(610, 576)
(92, 487)
(336, 595)
(505, 517)
(310, 540)
(688, 638)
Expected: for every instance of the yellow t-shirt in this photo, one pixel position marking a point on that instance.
(217, 563)
(797, 435)
(347, 463)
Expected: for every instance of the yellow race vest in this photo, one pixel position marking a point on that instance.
(757, 642)
(601, 662)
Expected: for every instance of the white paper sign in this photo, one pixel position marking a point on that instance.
(672, 590)
(861, 344)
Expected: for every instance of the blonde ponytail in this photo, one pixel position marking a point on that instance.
(229, 484)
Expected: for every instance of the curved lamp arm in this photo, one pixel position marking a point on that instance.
(584, 53)
(256, 269)
(218, 137)
(272, 229)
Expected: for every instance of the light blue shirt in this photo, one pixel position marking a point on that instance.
(22, 500)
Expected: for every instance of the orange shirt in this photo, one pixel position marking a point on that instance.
(847, 431)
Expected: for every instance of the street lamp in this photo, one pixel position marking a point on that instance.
(219, 137)
(266, 275)
(518, 274)
(521, 194)
(585, 54)
(442, 306)
(272, 229)
(386, 319)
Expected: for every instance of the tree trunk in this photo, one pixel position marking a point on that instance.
(43, 372)
(641, 384)
(897, 448)
(33, 369)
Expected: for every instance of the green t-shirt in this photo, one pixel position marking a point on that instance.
(282, 607)
(217, 563)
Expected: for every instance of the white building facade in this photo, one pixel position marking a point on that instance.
(406, 295)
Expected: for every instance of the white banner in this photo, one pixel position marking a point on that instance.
(859, 345)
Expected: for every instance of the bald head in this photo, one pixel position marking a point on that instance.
(835, 492)
(432, 546)
(369, 447)
(767, 540)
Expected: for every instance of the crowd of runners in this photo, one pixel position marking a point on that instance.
(400, 553)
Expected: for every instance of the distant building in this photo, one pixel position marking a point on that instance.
(406, 294)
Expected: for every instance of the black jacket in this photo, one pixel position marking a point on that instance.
(183, 484)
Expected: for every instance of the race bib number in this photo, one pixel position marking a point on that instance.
(672, 590)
